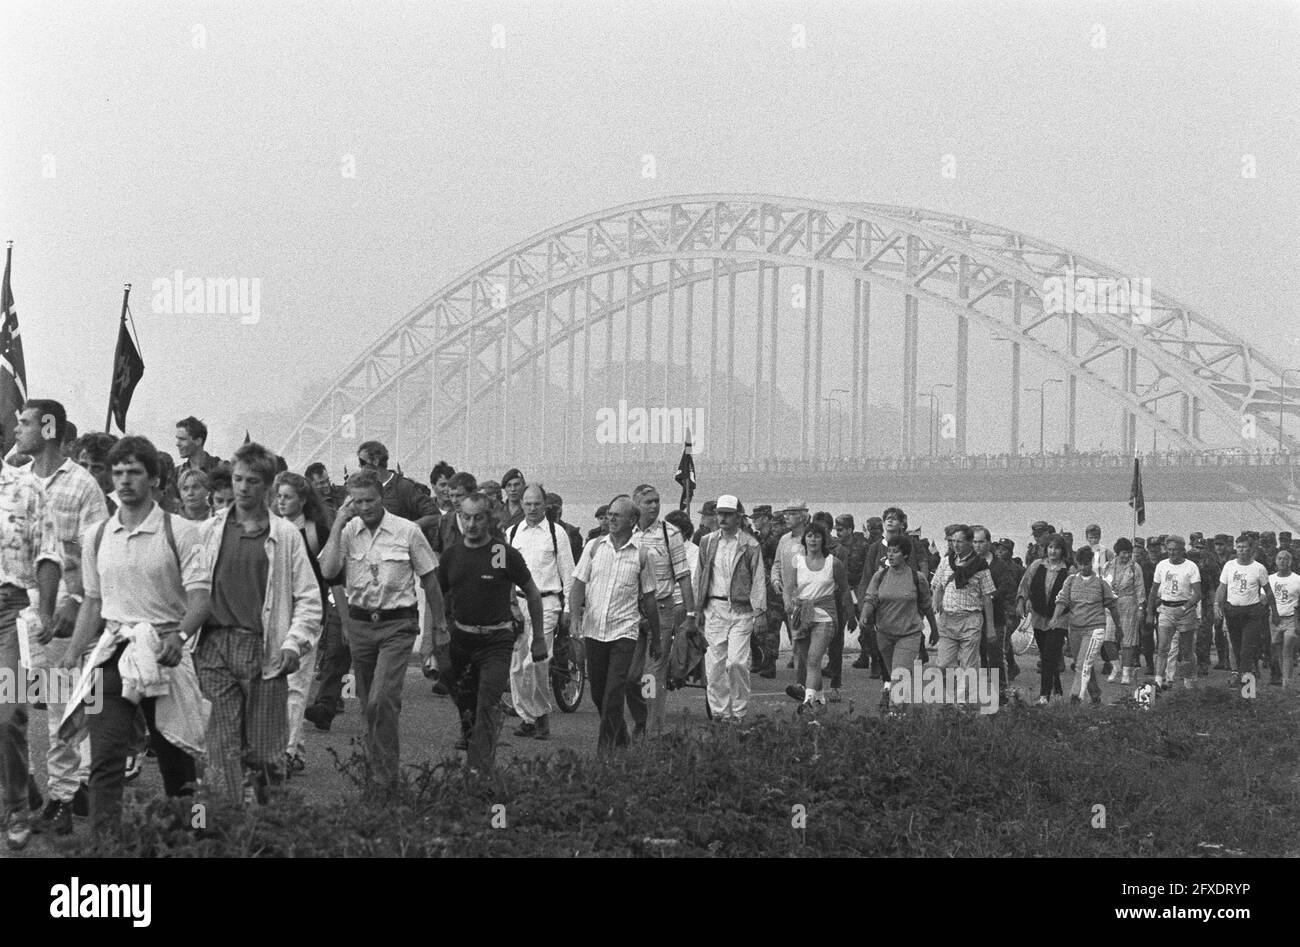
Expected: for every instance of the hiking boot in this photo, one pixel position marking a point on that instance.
(34, 798)
(320, 716)
(18, 830)
(56, 817)
(339, 706)
(1075, 699)
(543, 731)
(526, 730)
(440, 689)
(862, 663)
(833, 695)
(509, 709)
(768, 670)
(795, 692)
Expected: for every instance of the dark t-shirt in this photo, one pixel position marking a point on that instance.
(239, 580)
(479, 583)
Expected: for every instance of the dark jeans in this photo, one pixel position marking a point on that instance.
(335, 660)
(1051, 645)
(1248, 633)
(110, 742)
(1205, 635)
(835, 658)
(480, 674)
(608, 664)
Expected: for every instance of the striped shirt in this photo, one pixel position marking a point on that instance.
(969, 599)
(615, 580)
(670, 564)
(27, 532)
(75, 503)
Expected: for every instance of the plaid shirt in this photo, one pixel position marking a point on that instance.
(969, 599)
(670, 565)
(27, 532)
(615, 581)
(75, 503)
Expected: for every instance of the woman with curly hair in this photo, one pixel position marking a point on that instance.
(1036, 597)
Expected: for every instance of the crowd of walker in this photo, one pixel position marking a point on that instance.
(218, 607)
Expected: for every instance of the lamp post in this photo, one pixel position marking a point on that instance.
(839, 420)
(1281, 397)
(1042, 413)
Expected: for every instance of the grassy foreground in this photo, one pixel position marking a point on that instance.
(1203, 773)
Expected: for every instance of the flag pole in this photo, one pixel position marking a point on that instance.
(108, 420)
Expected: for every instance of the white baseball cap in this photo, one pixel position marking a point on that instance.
(727, 503)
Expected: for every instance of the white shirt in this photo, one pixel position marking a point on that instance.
(1101, 557)
(724, 561)
(1245, 583)
(1286, 591)
(693, 561)
(1175, 581)
(811, 585)
(551, 563)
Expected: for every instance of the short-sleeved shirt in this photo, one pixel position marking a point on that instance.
(27, 531)
(239, 577)
(383, 566)
(1175, 581)
(615, 580)
(479, 582)
(75, 503)
(134, 571)
(670, 563)
(1287, 592)
(967, 599)
(1245, 583)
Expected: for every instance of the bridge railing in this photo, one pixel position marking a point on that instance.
(867, 465)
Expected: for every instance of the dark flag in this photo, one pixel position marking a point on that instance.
(1135, 497)
(686, 475)
(128, 368)
(13, 370)
(247, 438)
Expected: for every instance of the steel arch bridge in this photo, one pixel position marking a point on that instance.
(498, 365)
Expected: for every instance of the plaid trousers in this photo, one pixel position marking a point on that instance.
(249, 726)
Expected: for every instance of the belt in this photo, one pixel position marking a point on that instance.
(558, 593)
(719, 598)
(1173, 604)
(483, 629)
(234, 628)
(382, 614)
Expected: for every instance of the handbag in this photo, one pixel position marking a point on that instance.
(1023, 636)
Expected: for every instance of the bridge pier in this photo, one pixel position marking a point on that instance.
(758, 364)
(963, 354)
(911, 315)
(1016, 299)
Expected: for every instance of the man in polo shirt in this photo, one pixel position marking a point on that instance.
(613, 585)
(382, 559)
(962, 590)
(733, 598)
(266, 619)
(549, 557)
(75, 503)
(1175, 592)
(673, 590)
(478, 577)
(142, 565)
(29, 558)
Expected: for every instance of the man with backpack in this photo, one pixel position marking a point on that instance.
(141, 565)
(549, 558)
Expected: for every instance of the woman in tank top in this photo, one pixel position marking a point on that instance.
(821, 590)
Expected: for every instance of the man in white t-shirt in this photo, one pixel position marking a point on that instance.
(1286, 592)
(1175, 591)
(1245, 600)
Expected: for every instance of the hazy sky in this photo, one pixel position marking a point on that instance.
(141, 138)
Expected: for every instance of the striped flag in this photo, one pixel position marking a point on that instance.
(13, 369)
(686, 474)
(1135, 497)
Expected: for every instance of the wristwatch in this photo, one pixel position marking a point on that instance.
(79, 599)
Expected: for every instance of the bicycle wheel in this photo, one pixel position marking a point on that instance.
(568, 677)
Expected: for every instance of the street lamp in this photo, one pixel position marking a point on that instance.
(1281, 397)
(839, 420)
(934, 409)
(1042, 413)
